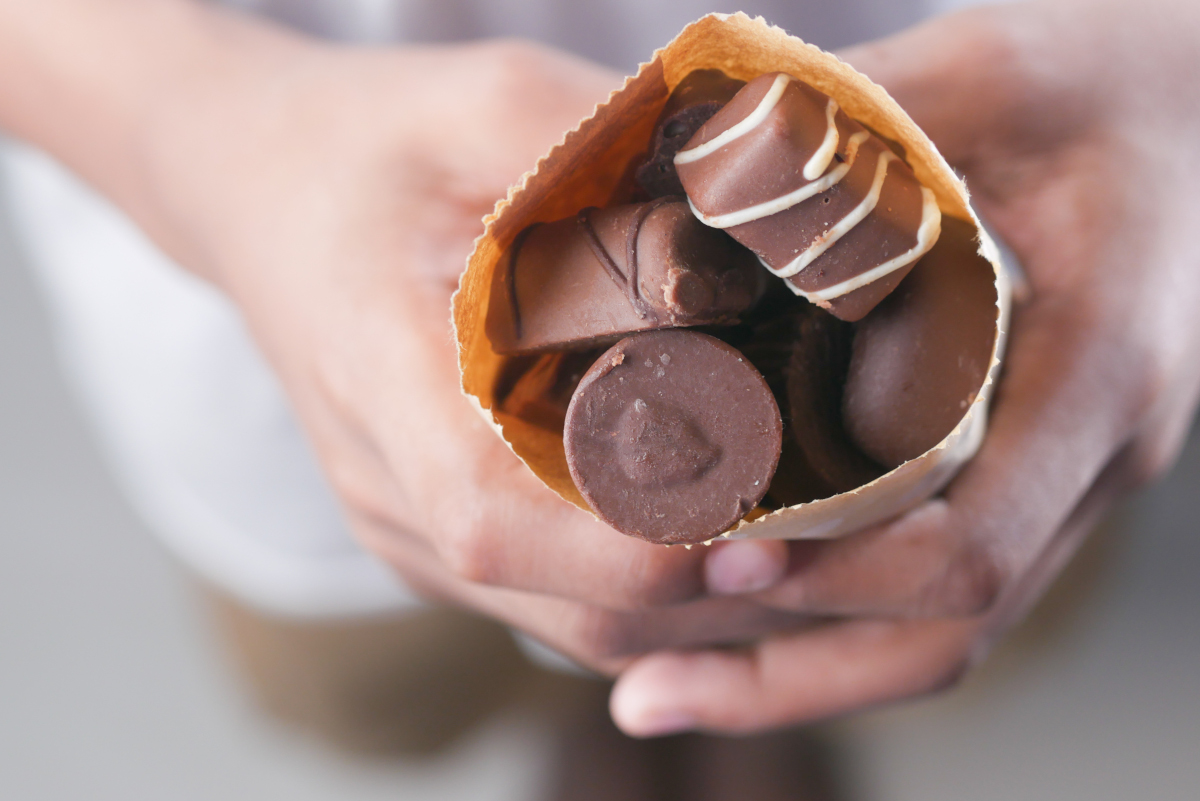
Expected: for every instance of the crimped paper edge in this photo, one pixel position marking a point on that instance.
(887, 496)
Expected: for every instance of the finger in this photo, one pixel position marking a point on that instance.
(599, 638)
(742, 566)
(966, 80)
(1162, 436)
(1126, 470)
(791, 678)
(483, 511)
(1058, 419)
(795, 678)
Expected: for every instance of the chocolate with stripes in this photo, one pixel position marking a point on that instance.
(604, 273)
(823, 202)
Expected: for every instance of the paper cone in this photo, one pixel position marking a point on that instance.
(586, 169)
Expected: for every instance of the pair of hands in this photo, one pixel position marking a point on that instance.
(334, 194)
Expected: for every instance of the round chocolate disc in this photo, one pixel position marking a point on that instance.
(672, 436)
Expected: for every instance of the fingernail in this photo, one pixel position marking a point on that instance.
(640, 705)
(736, 568)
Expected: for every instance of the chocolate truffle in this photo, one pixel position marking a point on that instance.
(672, 436)
(604, 273)
(695, 99)
(920, 358)
(823, 202)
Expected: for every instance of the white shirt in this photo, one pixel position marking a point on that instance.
(196, 426)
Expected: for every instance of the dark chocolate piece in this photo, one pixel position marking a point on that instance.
(803, 356)
(593, 278)
(672, 436)
(921, 357)
(697, 98)
(538, 388)
(824, 203)
(815, 376)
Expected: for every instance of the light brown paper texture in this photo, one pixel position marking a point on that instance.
(585, 169)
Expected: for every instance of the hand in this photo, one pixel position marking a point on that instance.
(334, 195)
(1074, 126)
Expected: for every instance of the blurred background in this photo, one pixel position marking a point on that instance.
(113, 684)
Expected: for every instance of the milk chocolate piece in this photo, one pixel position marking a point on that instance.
(803, 356)
(823, 202)
(604, 273)
(920, 358)
(672, 436)
(695, 99)
(815, 376)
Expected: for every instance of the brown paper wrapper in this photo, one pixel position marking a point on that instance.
(586, 169)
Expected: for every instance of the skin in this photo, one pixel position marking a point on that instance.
(1066, 120)
(333, 194)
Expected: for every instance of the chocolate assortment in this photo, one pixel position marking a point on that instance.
(783, 398)
(881, 390)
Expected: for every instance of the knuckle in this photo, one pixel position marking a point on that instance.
(969, 586)
(1147, 467)
(661, 578)
(511, 62)
(1149, 461)
(949, 677)
(604, 635)
(465, 549)
(359, 491)
(469, 523)
(1151, 370)
(347, 483)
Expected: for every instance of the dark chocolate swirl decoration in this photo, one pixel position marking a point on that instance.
(603, 273)
(629, 283)
(510, 277)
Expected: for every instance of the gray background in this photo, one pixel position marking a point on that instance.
(111, 686)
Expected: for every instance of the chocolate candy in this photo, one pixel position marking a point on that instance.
(695, 99)
(823, 202)
(804, 356)
(672, 436)
(604, 273)
(920, 358)
(537, 388)
(815, 375)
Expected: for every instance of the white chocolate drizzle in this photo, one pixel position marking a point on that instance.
(820, 160)
(784, 202)
(927, 235)
(814, 172)
(752, 121)
(844, 225)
